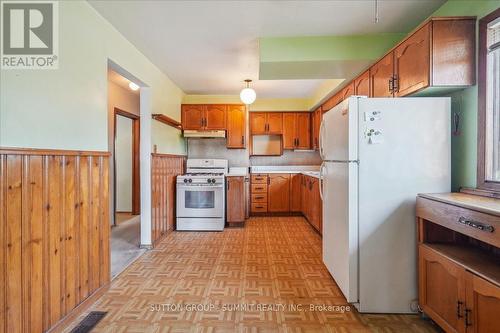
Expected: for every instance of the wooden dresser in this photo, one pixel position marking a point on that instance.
(459, 261)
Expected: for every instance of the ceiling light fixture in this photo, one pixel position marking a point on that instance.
(248, 95)
(133, 86)
(376, 11)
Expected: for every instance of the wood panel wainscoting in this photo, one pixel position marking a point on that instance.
(164, 171)
(54, 234)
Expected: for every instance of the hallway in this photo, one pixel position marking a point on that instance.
(125, 239)
(272, 260)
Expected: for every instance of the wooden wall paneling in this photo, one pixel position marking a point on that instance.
(104, 240)
(70, 255)
(54, 237)
(13, 288)
(83, 234)
(3, 243)
(94, 232)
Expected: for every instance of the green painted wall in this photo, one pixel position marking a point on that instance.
(464, 103)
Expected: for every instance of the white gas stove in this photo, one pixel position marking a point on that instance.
(201, 198)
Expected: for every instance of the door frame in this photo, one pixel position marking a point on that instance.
(136, 178)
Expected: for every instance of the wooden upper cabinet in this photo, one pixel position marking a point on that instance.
(296, 130)
(412, 63)
(289, 130)
(453, 52)
(215, 117)
(258, 122)
(362, 84)
(381, 75)
(279, 192)
(266, 122)
(295, 192)
(332, 101)
(236, 126)
(347, 91)
(235, 199)
(316, 124)
(274, 122)
(303, 130)
(482, 305)
(192, 116)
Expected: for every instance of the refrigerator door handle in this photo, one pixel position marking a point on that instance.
(321, 180)
(321, 130)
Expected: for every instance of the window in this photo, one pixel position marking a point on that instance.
(489, 102)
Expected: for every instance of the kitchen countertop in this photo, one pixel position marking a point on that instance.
(309, 170)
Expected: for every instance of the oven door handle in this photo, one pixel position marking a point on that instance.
(196, 187)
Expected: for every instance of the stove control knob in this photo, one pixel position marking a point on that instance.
(190, 180)
(208, 181)
(185, 180)
(213, 181)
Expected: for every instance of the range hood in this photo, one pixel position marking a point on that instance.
(204, 134)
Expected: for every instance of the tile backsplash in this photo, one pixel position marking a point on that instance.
(216, 148)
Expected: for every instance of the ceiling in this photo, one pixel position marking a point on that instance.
(210, 47)
(121, 81)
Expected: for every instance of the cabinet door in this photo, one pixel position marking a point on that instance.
(279, 192)
(412, 63)
(332, 101)
(236, 126)
(274, 122)
(441, 289)
(235, 199)
(303, 130)
(318, 115)
(295, 192)
(303, 194)
(215, 117)
(380, 75)
(258, 123)
(482, 305)
(192, 116)
(348, 91)
(289, 130)
(314, 200)
(362, 84)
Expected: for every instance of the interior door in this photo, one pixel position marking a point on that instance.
(289, 130)
(303, 130)
(412, 63)
(340, 234)
(236, 126)
(215, 118)
(193, 116)
(380, 76)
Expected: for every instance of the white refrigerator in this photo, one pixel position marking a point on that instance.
(378, 154)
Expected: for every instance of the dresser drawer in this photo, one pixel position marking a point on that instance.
(259, 207)
(259, 197)
(259, 178)
(259, 188)
(482, 226)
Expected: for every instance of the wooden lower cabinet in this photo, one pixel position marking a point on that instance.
(279, 193)
(258, 193)
(311, 204)
(236, 199)
(295, 192)
(482, 302)
(441, 289)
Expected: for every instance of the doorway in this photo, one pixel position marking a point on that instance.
(124, 110)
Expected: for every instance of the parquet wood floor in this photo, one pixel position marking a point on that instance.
(274, 261)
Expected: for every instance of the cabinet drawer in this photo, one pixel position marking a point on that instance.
(259, 179)
(259, 197)
(259, 207)
(259, 188)
(481, 226)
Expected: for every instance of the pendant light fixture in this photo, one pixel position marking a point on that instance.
(248, 95)
(376, 11)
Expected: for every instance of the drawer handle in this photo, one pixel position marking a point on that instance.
(475, 224)
(259, 207)
(259, 197)
(459, 309)
(467, 317)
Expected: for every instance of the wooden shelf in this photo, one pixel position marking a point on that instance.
(167, 120)
(471, 258)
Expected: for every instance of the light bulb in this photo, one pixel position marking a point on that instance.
(248, 96)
